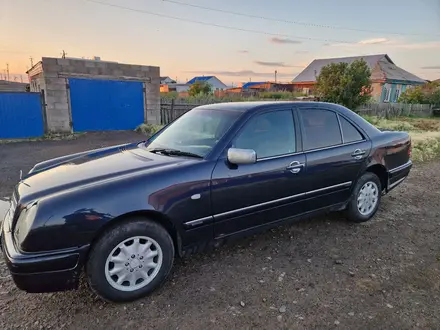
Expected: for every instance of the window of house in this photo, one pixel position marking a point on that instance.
(350, 133)
(269, 134)
(397, 95)
(321, 129)
(387, 88)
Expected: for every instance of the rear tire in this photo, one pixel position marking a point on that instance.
(365, 198)
(130, 260)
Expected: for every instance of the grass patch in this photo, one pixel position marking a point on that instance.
(148, 129)
(46, 137)
(424, 132)
(425, 149)
(390, 124)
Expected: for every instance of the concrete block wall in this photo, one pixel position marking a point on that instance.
(57, 71)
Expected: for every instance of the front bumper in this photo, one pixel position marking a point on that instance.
(42, 272)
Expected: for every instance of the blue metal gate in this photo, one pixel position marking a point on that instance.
(99, 105)
(21, 115)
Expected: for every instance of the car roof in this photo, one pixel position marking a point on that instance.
(255, 105)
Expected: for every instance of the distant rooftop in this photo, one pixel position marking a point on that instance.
(199, 78)
(250, 84)
(388, 70)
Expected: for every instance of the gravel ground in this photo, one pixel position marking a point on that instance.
(320, 273)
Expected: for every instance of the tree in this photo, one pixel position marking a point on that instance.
(413, 96)
(345, 84)
(425, 94)
(200, 88)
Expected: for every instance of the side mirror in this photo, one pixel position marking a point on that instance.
(241, 156)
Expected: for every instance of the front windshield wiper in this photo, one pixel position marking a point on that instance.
(174, 152)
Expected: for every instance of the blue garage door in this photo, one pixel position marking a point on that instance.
(20, 115)
(100, 105)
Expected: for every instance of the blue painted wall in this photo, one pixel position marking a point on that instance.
(99, 105)
(21, 115)
(392, 85)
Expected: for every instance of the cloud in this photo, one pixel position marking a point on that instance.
(434, 67)
(302, 52)
(373, 41)
(246, 74)
(272, 64)
(366, 42)
(283, 41)
(393, 43)
(277, 64)
(243, 51)
(421, 45)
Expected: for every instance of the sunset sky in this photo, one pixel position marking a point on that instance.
(186, 40)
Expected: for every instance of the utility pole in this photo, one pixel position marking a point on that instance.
(32, 61)
(7, 70)
(276, 76)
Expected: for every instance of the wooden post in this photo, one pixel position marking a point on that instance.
(172, 110)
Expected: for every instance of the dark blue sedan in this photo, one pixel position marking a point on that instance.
(121, 214)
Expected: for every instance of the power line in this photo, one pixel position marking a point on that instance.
(218, 25)
(294, 22)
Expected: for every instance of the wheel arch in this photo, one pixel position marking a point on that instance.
(381, 172)
(151, 215)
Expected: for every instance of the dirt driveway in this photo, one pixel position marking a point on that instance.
(321, 273)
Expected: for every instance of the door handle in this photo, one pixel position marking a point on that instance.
(358, 153)
(295, 167)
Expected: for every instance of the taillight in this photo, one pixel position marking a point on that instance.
(409, 150)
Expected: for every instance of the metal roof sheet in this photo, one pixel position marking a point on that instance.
(313, 69)
(249, 84)
(199, 78)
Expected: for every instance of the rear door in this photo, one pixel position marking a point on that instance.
(335, 153)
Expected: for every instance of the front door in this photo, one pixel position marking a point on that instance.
(245, 196)
(335, 153)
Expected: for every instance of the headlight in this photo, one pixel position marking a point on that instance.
(25, 221)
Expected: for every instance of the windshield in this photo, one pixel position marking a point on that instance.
(196, 132)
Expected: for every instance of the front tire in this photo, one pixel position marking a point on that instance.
(130, 260)
(365, 198)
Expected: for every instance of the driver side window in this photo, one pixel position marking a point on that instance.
(270, 134)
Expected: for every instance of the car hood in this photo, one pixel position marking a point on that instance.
(89, 167)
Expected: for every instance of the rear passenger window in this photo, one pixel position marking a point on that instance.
(321, 129)
(350, 133)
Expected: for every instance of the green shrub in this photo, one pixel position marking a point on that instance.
(148, 129)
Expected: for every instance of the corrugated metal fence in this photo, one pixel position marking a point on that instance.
(21, 115)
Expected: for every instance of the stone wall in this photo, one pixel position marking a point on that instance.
(12, 86)
(56, 71)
